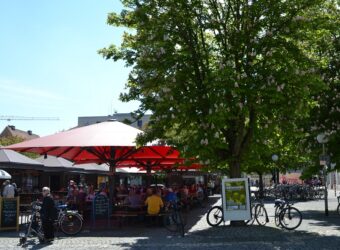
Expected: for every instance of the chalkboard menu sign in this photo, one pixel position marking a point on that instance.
(100, 207)
(9, 213)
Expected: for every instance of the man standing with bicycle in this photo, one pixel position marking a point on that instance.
(48, 215)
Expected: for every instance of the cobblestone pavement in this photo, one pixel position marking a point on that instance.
(316, 232)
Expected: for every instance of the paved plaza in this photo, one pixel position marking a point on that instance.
(315, 232)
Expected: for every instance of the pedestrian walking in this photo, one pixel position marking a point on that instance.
(48, 215)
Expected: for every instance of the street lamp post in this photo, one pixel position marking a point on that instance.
(335, 177)
(322, 139)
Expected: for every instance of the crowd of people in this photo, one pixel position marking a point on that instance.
(135, 197)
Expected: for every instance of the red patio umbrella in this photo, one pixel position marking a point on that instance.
(105, 142)
(110, 142)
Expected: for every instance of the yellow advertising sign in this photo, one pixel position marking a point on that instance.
(235, 199)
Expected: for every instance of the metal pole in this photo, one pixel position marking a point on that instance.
(336, 181)
(325, 181)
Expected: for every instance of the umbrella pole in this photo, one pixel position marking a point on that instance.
(112, 186)
(148, 174)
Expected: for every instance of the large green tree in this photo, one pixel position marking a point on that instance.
(325, 116)
(216, 72)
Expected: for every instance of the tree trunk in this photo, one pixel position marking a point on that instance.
(235, 168)
(148, 176)
(261, 185)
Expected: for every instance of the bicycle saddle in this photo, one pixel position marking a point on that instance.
(279, 202)
(62, 206)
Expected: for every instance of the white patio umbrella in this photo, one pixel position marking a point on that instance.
(4, 175)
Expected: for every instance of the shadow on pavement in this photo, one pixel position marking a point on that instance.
(247, 237)
(318, 218)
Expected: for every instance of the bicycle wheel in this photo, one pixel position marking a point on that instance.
(338, 209)
(277, 213)
(253, 212)
(215, 216)
(261, 215)
(290, 218)
(71, 223)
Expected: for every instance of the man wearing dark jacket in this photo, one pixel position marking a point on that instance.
(47, 215)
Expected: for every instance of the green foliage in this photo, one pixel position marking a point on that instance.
(325, 115)
(5, 141)
(221, 76)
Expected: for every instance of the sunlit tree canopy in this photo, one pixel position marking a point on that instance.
(218, 74)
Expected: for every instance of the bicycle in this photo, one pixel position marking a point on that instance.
(258, 213)
(338, 208)
(175, 220)
(286, 215)
(69, 221)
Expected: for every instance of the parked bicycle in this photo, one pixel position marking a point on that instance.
(338, 208)
(258, 213)
(69, 221)
(175, 220)
(286, 215)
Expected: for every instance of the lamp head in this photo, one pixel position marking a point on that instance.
(275, 157)
(322, 138)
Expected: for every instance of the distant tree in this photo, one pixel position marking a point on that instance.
(5, 141)
(127, 121)
(216, 72)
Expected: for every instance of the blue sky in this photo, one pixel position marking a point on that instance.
(49, 65)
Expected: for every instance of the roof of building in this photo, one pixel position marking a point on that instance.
(121, 117)
(11, 130)
(10, 156)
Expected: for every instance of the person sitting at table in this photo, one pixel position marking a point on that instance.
(170, 197)
(148, 192)
(103, 192)
(72, 193)
(91, 194)
(154, 203)
(81, 199)
(133, 200)
(192, 190)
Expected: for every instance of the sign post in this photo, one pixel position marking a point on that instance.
(236, 199)
(9, 213)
